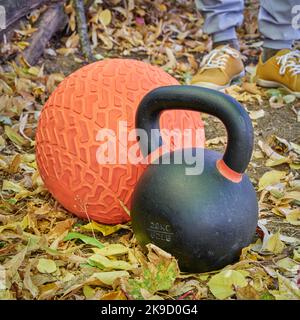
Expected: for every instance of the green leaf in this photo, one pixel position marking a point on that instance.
(101, 262)
(221, 284)
(46, 266)
(275, 92)
(86, 239)
(159, 274)
(88, 292)
(266, 296)
(12, 186)
(289, 98)
(14, 136)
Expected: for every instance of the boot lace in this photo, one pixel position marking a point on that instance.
(290, 62)
(217, 58)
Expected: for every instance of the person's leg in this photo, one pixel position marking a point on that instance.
(279, 64)
(223, 64)
(275, 24)
(221, 19)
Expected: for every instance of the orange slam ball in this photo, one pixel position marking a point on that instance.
(97, 97)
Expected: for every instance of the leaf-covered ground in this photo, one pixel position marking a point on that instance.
(46, 253)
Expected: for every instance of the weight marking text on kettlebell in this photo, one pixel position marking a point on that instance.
(159, 231)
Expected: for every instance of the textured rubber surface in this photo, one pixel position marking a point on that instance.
(95, 97)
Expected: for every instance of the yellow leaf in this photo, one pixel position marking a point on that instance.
(292, 195)
(254, 115)
(288, 290)
(13, 136)
(277, 162)
(295, 166)
(88, 292)
(294, 217)
(114, 295)
(221, 285)
(296, 253)
(273, 244)
(103, 228)
(270, 178)
(105, 17)
(5, 88)
(46, 266)
(172, 60)
(99, 261)
(109, 278)
(66, 51)
(162, 7)
(288, 264)
(112, 250)
(12, 186)
(251, 88)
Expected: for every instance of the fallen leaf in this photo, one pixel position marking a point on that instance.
(289, 98)
(14, 137)
(112, 250)
(46, 266)
(294, 217)
(109, 278)
(273, 243)
(103, 228)
(158, 274)
(222, 284)
(105, 17)
(88, 292)
(84, 238)
(254, 115)
(296, 254)
(270, 178)
(251, 87)
(288, 264)
(114, 295)
(287, 290)
(101, 262)
(29, 285)
(247, 293)
(172, 60)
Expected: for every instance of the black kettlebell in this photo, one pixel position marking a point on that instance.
(203, 220)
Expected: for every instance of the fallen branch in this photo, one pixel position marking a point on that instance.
(53, 20)
(16, 9)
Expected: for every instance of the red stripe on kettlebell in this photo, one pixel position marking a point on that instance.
(228, 173)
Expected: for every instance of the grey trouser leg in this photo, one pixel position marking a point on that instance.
(221, 17)
(275, 20)
(275, 23)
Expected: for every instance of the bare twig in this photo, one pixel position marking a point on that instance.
(52, 20)
(82, 30)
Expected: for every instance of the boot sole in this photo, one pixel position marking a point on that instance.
(274, 84)
(214, 86)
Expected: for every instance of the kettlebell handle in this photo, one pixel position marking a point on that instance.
(236, 120)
